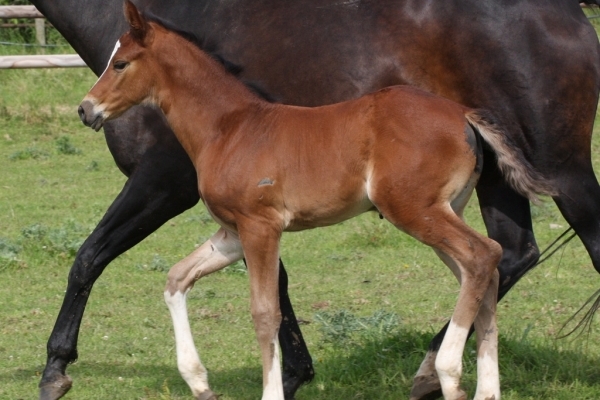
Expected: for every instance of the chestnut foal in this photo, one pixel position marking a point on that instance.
(267, 168)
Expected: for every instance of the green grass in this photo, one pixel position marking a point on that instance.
(57, 180)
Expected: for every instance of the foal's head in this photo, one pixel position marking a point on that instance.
(129, 76)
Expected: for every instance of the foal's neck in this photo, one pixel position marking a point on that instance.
(197, 94)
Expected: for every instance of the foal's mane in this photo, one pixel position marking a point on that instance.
(210, 48)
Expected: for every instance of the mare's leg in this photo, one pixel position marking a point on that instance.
(222, 249)
(579, 202)
(508, 221)
(158, 189)
(507, 218)
(297, 363)
(261, 249)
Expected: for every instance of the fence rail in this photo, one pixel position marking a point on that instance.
(35, 61)
(42, 61)
(19, 12)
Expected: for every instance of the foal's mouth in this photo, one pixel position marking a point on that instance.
(89, 117)
(97, 123)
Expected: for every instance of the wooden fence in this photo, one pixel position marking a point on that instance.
(35, 61)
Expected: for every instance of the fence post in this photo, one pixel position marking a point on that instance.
(40, 31)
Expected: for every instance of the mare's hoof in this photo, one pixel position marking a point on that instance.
(208, 395)
(55, 389)
(426, 388)
(292, 380)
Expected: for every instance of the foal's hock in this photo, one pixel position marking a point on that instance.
(268, 168)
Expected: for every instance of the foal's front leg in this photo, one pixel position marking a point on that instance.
(261, 249)
(221, 250)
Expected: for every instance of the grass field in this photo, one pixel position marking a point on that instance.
(57, 180)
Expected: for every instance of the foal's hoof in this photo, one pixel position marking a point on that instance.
(426, 388)
(292, 380)
(208, 395)
(55, 389)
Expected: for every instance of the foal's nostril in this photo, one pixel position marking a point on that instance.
(81, 113)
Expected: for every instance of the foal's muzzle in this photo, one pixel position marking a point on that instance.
(89, 117)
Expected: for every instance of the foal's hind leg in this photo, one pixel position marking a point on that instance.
(487, 337)
(474, 259)
(222, 249)
(508, 221)
(488, 374)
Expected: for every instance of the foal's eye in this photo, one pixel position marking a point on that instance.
(120, 65)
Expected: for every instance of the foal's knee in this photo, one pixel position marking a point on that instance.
(494, 254)
(177, 281)
(485, 261)
(266, 322)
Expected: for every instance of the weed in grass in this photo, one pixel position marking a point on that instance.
(30, 152)
(93, 166)
(35, 232)
(158, 264)
(8, 253)
(64, 146)
(238, 268)
(66, 239)
(341, 327)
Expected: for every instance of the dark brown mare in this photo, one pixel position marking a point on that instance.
(535, 64)
(266, 168)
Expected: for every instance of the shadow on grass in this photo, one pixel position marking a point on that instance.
(372, 369)
(85, 374)
(384, 368)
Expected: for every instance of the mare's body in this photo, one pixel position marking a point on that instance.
(267, 168)
(536, 64)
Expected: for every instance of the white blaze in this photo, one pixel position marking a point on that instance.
(117, 45)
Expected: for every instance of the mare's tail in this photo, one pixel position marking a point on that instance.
(518, 172)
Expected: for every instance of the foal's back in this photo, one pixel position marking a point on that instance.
(400, 129)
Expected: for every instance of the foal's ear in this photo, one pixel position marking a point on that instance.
(137, 23)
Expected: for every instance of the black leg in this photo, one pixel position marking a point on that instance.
(152, 195)
(297, 363)
(579, 202)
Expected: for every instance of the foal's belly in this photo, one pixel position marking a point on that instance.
(306, 211)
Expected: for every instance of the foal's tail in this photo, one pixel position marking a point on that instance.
(518, 172)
